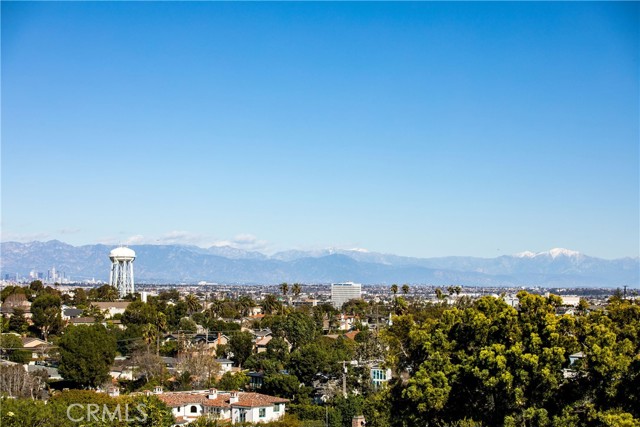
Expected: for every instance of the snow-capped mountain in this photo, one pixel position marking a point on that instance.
(179, 263)
(553, 253)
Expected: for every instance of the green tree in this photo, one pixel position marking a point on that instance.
(17, 322)
(104, 293)
(245, 304)
(193, 304)
(149, 411)
(356, 307)
(281, 385)
(297, 289)
(284, 288)
(405, 289)
(11, 347)
(241, 345)
(80, 298)
(233, 381)
(278, 349)
(187, 325)
(149, 334)
(270, 304)
(139, 313)
(36, 286)
(299, 329)
(394, 289)
(309, 360)
(11, 290)
(46, 314)
(86, 354)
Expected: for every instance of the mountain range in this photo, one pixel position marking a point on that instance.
(192, 264)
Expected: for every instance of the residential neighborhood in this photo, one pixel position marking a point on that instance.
(211, 355)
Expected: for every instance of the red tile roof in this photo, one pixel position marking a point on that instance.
(352, 335)
(245, 399)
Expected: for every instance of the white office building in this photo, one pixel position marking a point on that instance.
(343, 292)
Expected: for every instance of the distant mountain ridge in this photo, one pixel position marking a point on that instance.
(191, 264)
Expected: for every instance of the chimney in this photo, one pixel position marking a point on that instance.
(213, 394)
(358, 421)
(233, 397)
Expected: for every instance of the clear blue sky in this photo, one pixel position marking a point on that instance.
(424, 129)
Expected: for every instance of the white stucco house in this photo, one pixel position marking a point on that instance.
(233, 406)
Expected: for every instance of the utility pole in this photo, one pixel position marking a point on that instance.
(326, 415)
(344, 378)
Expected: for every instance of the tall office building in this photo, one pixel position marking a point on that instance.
(343, 292)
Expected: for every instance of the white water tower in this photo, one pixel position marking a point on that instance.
(121, 276)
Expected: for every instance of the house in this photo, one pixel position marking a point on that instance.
(121, 372)
(16, 301)
(571, 372)
(71, 313)
(347, 322)
(52, 373)
(573, 358)
(260, 345)
(233, 406)
(226, 365)
(565, 310)
(256, 311)
(379, 376)
(211, 341)
(256, 380)
(309, 302)
(115, 322)
(261, 333)
(82, 321)
(39, 349)
(112, 308)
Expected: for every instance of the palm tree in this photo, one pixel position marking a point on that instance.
(193, 304)
(270, 304)
(215, 308)
(148, 334)
(284, 288)
(405, 289)
(161, 325)
(394, 290)
(245, 303)
(297, 289)
(111, 294)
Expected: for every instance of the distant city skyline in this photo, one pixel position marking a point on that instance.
(417, 129)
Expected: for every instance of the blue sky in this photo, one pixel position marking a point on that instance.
(423, 129)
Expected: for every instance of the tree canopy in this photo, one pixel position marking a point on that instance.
(86, 354)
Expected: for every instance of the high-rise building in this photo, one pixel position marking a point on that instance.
(343, 292)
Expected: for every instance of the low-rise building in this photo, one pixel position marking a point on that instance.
(39, 349)
(235, 406)
(226, 365)
(112, 308)
(379, 376)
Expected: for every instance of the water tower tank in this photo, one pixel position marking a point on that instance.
(121, 276)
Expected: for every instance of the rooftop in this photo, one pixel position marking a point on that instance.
(222, 399)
